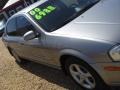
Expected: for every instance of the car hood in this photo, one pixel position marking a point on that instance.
(102, 21)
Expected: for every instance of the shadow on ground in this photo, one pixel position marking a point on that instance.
(53, 75)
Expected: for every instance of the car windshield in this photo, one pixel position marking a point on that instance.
(53, 14)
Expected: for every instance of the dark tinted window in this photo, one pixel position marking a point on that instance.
(53, 14)
(23, 26)
(11, 27)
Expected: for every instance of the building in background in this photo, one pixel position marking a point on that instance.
(10, 8)
(13, 6)
(2, 3)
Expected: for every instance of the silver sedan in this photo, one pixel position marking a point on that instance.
(81, 37)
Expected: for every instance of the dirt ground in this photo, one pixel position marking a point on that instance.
(31, 76)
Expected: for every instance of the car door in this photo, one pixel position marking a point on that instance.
(34, 49)
(31, 49)
(15, 29)
(11, 37)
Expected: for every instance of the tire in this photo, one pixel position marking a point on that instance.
(17, 58)
(84, 75)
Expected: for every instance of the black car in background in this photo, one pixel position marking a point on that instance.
(2, 25)
(1, 32)
(2, 22)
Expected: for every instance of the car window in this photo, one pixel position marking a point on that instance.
(53, 14)
(23, 26)
(11, 27)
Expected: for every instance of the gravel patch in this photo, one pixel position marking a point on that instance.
(31, 76)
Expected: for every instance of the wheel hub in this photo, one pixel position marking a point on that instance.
(82, 76)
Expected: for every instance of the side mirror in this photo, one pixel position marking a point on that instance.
(29, 36)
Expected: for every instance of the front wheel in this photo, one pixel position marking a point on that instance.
(84, 75)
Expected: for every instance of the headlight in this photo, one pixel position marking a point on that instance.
(115, 53)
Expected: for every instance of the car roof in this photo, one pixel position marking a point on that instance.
(27, 9)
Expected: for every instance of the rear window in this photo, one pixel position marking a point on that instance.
(53, 14)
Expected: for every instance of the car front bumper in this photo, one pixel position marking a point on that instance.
(109, 72)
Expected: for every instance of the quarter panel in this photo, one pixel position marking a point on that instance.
(95, 50)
